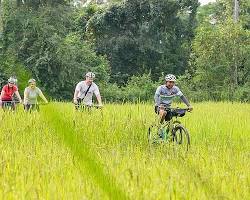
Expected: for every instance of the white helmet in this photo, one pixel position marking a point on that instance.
(32, 81)
(90, 75)
(12, 80)
(170, 77)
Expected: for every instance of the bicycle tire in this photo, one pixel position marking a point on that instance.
(153, 134)
(8, 106)
(181, 136)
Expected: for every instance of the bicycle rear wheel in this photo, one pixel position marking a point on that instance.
(181, 136)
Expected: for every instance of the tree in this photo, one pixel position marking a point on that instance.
(46, 41)
(142, 36)
(221, 56)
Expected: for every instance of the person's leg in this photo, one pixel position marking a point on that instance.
(168, 115)
(6, 105)
(27, 107)
(162, 113)
(34, 107)
(37, 107)
(13, 106)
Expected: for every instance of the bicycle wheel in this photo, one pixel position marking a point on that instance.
(158, 133)
(8, 106)
(181, 136)
(153, 134)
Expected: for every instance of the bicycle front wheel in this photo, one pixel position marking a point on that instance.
(153, 134)
(181, 136)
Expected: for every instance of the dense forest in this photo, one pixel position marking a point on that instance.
(130, 45)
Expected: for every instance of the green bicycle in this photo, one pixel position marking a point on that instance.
(170, 130)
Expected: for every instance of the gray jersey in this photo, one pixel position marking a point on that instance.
(32, 95)
(82, 87)
(164, 96)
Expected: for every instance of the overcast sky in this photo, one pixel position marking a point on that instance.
(203, 2)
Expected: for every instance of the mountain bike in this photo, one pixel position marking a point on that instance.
(9, 105)
(33, 107)
(170, 130)
(82, 107)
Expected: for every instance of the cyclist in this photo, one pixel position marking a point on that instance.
(164, 96)
(7, 93)
(84, 92)
(30, 96)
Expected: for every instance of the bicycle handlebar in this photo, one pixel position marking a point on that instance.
(169, 108)
(10, 101)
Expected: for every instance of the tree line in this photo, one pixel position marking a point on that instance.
(130, 45)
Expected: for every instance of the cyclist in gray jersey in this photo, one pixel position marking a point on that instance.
(165, 94)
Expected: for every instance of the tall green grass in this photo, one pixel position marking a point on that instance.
(62, 154)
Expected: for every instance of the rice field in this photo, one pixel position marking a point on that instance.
(61, 154)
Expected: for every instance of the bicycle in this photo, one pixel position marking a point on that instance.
(9, 105)
(33, 107)
(170, 130)
(83, 107)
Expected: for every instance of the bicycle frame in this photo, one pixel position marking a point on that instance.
(9, 105)
(165, 130)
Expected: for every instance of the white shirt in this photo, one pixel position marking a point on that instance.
(82, 87)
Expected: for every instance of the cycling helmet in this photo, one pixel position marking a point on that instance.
(32, 81)
(170, 77)
(12, 80)
(90, 75)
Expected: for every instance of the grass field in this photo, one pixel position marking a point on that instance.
(60, 154)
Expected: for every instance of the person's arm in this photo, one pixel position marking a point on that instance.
(2, 94)
(77, 90)
(18, 96)
(157, 96)
(43, 97)
(25, 97)
(184, 99)
(99, 99)
(98, 96)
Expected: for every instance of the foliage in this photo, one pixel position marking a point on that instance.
(139, 88)
(46, 42)
(10, 67)
(149, 36)
(220, 60)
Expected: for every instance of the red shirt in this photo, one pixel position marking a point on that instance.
(8, 92)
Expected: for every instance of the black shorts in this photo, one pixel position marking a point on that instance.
(31, 107)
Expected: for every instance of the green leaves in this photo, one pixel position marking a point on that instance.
(143, 36)
(47, 42)
(221, 55)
